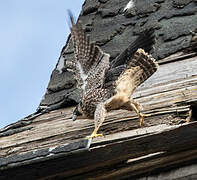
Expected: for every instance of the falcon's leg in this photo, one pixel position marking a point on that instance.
(94, 134)
(136, 107)
(99, 117)
(132, 105)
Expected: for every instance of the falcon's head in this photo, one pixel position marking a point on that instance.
(77, 113)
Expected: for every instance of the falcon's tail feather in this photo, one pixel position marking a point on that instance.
(140, 68)
(146, 63)
(145, 41)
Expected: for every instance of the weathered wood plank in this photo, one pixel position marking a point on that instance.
(141, 168)
(53, 132)
(165, 96)
(168, 141)
(39, 136)
(126, 150)
(172, 72)
(181, 173)
(47, 130)
(181, 84)
(177, 57)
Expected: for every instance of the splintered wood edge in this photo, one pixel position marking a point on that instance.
(136, 133)
(64, 150)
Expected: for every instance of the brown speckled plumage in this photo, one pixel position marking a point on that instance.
(109, 86)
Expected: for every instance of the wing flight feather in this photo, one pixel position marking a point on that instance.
(91, 62)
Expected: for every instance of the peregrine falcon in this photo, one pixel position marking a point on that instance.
(109, 85)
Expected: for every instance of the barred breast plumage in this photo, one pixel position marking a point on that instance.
(108, 86)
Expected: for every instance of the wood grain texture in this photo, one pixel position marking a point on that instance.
(127, 155)
(166, 94)
(169, 95)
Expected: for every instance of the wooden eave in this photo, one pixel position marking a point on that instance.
(52, 146)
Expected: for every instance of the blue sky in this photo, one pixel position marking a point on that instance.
(32, 34)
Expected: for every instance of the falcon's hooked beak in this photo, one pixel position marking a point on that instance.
(76, 112)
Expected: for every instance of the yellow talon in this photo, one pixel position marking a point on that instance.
(141, 117)
(94, 135)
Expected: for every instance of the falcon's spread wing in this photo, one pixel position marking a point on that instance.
(91, 62)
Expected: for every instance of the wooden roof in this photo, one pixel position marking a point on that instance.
(51, 145)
